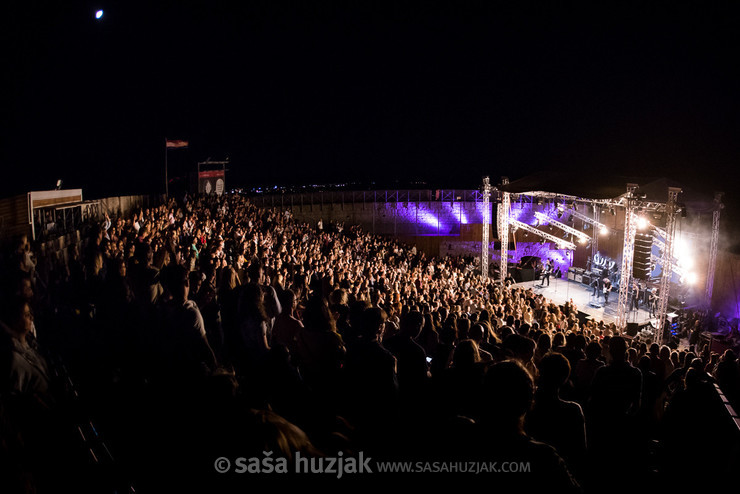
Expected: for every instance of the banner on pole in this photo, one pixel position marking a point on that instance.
(176, 144)
(211, 182)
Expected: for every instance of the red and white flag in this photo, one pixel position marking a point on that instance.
(175, 143)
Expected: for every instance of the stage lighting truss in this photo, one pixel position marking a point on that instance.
(562, 244)
(546, 219)
(589, 220)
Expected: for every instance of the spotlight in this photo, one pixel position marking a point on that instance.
(604, 230)
(642, 223)
(59, 184)
(583, 240)
(690, 278)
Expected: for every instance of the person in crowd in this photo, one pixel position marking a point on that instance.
(508, 392)
(24, 369)
(287, 328)
(555, 421)
(319, 349)
(727, 374)
(585, 370)
(614, 403)
(413, 368)
(370, 382)
(185, 350)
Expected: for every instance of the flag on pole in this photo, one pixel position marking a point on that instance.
(175, 143)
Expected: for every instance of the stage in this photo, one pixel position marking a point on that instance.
(562, 290)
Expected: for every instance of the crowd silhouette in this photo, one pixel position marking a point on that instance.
(208, 327)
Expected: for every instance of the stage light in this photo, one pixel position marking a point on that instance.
(690, 278)
(604, 230)
(686, 262)
(642, 223)
(99, 14)
(583, 240)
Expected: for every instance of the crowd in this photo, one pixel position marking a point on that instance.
(208, 327)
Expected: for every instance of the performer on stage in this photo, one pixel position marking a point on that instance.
(546, 273)
(595, 284)
(607, 288)
(635, 295)
(653, 301)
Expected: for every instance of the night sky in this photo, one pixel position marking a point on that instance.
(318, 91)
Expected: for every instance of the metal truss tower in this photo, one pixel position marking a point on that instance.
(709, 286)
(595, 236)
(625, 274)
(665, 278)
(484, 256)
(503, 229)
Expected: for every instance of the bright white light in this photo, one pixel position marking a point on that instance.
(681, 249)
(690, 278)
(686, 262)
(604, 230)
(98, 14)
(583, 240)
(642, 222)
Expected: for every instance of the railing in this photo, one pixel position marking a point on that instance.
(369, 196)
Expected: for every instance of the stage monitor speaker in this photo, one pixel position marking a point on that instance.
(527, 274)
(582, 318)
(632, 328)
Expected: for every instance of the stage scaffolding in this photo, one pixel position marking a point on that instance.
(625, 273)
(709, 285)
(635, 204)
(504, 210)
(665, 279)
(486, 222)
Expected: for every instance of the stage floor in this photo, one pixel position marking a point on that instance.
(562, 290)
